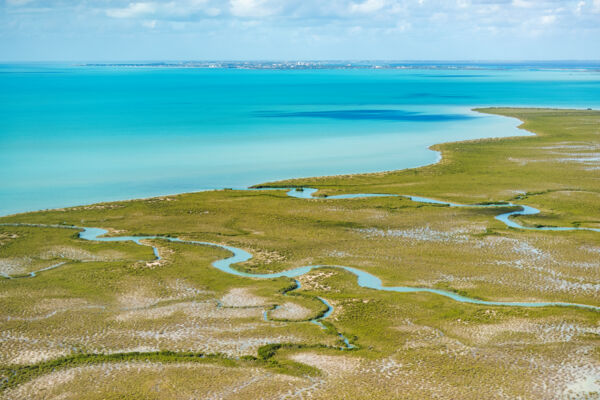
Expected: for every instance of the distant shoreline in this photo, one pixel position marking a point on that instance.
(583, 66)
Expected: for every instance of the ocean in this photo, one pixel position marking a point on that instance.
(72, 135)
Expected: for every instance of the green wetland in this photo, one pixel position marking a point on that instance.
(177, 327)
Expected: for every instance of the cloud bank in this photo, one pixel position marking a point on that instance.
(284, 29)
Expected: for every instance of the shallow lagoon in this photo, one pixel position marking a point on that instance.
(74, 135)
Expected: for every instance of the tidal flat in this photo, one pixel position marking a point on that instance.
(142, 327)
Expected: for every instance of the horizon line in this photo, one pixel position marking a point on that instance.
(315, 60)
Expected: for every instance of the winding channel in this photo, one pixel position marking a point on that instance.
(307, 193)
(364, 279)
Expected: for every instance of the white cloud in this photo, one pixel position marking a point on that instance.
(18, 2)
(169, 10)
(523, 3)
(427, 18)
(501, 15)
(251, 8)
(367, 6)
(548, 19)
(133, 10)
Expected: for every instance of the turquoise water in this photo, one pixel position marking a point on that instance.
(74, 135)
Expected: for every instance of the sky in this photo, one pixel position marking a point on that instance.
(116, 30)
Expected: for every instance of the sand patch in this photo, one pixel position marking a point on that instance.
(426, 336)
(141, 298)
(35, 356)
(177, 380)
(242, 297)
(291, 311)
(591, 249)
(53, 304)
(150, 313)
(6, 237)
(21, 348)
(182, 289)
(261, 256)
(586, 387)
(74, 253)
(338, 254)
(312, 281)
(202, 310)
(579, 379)
(581, 146)
(525, 331)
(137, 298)
(386, 367)
(331, 365)
(14, 265)
(425, 234)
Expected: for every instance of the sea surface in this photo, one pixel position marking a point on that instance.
(72, 135)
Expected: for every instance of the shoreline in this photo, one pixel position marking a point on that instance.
(480, 110)
(271, 184)
(440, 155)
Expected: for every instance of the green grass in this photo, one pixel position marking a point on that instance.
(19, 374)
(491, 170)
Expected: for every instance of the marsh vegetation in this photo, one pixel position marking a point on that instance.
(183, 328)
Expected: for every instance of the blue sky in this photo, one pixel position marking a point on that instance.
(102, 30)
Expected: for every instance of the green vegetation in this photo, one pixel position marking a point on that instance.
(113, 315)
(19, 374)
(552, 169)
